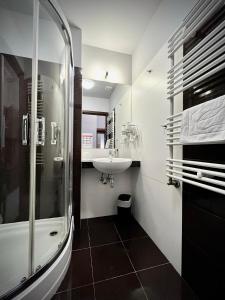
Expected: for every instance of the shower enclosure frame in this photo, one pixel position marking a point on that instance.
(58, 17)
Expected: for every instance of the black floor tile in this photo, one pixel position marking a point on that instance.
(102, 231)
(79, 272)
(130, 229)
(84, 293)
(144, 253)
(109, 261)
(164, 283)
(122, 288)
(81, 239)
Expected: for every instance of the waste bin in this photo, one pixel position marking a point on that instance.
(124, 207)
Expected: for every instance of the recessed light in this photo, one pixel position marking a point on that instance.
(88, 84)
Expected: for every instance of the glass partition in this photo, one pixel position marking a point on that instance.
(33, 146)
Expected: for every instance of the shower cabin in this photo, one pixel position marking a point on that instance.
(36, 112)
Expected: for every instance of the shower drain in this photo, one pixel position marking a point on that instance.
(52, 233)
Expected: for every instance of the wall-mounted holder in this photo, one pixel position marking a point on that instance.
(173, 182)
(130, 133)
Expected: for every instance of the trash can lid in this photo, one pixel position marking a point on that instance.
(124, 197)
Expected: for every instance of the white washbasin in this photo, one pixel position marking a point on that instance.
(112, 165)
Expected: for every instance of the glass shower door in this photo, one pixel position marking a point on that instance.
(16, 22)
(51, 157)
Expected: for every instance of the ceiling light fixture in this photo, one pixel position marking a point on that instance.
(88, 84)
(108, 88)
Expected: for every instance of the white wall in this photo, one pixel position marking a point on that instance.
(95, 104)
(77, 42)
(158, 207)
(98, 199)
(121, 92)
(96, 61)
(165, 21)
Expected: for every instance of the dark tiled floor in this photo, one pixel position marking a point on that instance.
(80, 271)
(82, 240)
(131, 230)
(112, 260)
(83, 293)
(125, 287)
(164, 283)
(102, 231)
(144, 253)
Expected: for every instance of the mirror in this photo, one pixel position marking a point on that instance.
(94, 129)
(101, 103)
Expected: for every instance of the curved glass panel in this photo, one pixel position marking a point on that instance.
(16, 49)
(51, 158)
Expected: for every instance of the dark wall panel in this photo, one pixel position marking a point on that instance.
(77, 146)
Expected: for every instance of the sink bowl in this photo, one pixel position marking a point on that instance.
(112, 165)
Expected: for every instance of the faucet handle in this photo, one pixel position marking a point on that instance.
(114, 152)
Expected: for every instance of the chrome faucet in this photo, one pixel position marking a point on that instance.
(113, 153)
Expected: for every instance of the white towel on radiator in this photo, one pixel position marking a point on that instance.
(204, 123)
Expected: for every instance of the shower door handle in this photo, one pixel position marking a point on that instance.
(41, 131)
(53, 133)
(25, 130)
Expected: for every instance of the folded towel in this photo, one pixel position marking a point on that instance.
(204, 123)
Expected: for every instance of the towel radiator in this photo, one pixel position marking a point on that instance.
(204, 60)
(110, 134)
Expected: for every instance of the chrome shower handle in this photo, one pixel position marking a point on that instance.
(53, 133)
(25, 130)
(41, 131)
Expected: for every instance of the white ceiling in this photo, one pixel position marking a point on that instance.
(115, 25)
